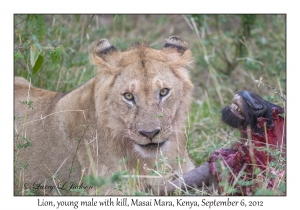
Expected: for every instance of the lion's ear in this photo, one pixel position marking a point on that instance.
(177, 48)
(104, 54)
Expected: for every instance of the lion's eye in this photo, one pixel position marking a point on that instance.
(164, 92)
(128, 96)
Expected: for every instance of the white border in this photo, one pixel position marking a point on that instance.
(154, 6)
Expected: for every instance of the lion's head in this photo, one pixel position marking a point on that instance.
(143, 94)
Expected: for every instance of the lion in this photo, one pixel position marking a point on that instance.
(132, 113)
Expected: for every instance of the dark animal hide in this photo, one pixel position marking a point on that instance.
(262, 127)
(246, 109)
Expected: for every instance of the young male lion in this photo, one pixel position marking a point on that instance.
(128, 117)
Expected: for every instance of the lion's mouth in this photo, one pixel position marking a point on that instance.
(152, 145)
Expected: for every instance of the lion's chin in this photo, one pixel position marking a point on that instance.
(152, 149)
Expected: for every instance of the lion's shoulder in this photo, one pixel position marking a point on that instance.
(21, 81)
(23, 89)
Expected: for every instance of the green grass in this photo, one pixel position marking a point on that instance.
(230, 52)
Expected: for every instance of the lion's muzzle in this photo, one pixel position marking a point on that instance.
(150, 134)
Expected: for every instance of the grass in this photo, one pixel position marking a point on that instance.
(231, 52)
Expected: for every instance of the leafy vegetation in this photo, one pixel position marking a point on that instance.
(231, 52)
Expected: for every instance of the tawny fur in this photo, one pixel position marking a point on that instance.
(95, 128)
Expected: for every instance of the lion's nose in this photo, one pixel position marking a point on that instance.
(150, 134)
